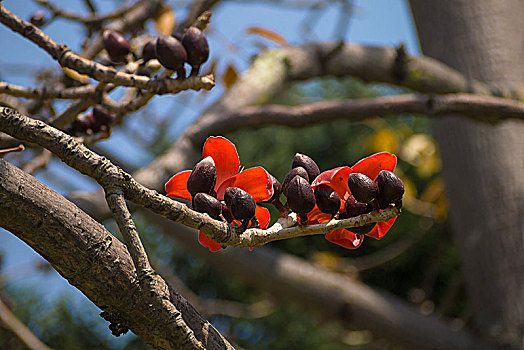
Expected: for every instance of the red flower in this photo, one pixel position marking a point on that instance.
(255, 181)
(338, 180)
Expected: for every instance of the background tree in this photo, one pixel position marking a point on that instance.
(258, 299)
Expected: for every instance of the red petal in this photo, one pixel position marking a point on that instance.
(225, 155)
(381, 228)
(375, 163)
(208, 242)
(177, 185)
(315, 216)
(263, 216)
(345, 238)
(255, 181)
(336, 178)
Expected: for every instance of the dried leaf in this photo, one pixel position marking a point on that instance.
(268, 34)
(165, 21)
(230, 76)
(84, 79)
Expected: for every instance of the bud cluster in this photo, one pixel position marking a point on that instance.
(172, 51)
(237, 205)
(98, 120)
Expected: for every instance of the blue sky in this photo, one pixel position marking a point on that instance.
(375, 22)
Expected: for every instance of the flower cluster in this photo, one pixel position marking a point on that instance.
(216, 186)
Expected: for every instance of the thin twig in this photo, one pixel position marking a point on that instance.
(93, 18)
(117, 204)
(38, 162)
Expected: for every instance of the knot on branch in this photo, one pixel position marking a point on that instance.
(116, 323)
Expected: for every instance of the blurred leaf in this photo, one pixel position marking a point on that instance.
(420, 150)
(75, 75)
(268, 34)
(384, 140)
(230, 76)
(165, 21)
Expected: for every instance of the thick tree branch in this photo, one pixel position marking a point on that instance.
(95, 262)
(97, 71)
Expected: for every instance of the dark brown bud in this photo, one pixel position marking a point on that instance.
(171, 54)
(203, 177)
(148, 50)
(292, 173)
(116, 45)
(277, 189)
(204, 203)
(328, 200)
(390, 186)
(38, 18)
(362, 187)
(300, 196)
(355, 208)
(197, 49)
(301, 160)
(102, 115)
(240, 203)
(83, 124)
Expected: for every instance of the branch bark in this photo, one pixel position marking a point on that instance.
(95, 262)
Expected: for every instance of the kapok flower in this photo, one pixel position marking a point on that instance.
(337, 179)
(255, 181)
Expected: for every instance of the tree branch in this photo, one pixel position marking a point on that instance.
(97, 71)
(95, 262)
(93, 18)
(477, 107)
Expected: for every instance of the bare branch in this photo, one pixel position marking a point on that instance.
(97, 71)
(93, 18)
(478, 107)
(11, 322)
(46, 93)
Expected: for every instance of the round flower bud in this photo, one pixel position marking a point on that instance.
(300, 171)
(37, 18)
(327, 199)
(102, 117)
(300, 196)
(277, 189)
(390, 186)
(301, 160)
(226, 213)
(116, 45)
(240, 203)
(171, 54)
(197, 49)
(83, 124)
(362, 187)
(203, 177)
(148, 50)
(204, 203)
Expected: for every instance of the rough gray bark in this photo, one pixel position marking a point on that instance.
(483, 165)
(99, 265)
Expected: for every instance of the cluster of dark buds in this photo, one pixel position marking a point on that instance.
(172, 51)
(99, 120)
(216, 187)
